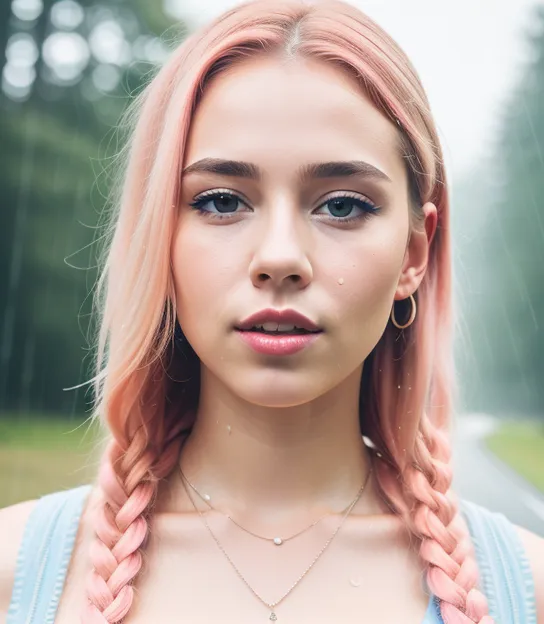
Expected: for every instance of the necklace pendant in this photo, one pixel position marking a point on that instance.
(278, 541)
(273, 617)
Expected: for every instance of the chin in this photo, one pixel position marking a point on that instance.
(278, 388)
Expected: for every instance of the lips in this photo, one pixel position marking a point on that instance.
(281, 317)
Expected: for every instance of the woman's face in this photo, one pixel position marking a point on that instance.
(329, 245)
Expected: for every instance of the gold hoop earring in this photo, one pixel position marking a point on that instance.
(412, 315)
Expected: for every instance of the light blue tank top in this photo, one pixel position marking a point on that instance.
(51, 529)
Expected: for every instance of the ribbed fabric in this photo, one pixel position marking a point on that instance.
(44, 556)
(51, 529)
(505, 571)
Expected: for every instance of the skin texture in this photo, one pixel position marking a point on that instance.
(294, 420)
(277, 441)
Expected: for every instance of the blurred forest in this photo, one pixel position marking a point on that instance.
(498, 228)
(69, 69)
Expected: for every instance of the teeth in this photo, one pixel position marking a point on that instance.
(281, 327)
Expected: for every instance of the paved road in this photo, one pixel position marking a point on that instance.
(480, 477)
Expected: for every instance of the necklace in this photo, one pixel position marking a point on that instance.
(278, 541)
(271, 605)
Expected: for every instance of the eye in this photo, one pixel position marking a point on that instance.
(349, 207)
(224, 202)
(346, 207)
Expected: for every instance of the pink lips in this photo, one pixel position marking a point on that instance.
(280, 344)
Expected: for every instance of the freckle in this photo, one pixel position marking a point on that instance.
(341, 281)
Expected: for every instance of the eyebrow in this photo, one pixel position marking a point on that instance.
(312, 171)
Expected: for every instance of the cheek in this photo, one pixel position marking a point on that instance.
(190, 269)
(370, 274)
(203, 271)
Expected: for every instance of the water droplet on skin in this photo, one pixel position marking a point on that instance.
(341, 281)
(355, 581)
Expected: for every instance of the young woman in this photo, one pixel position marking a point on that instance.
(274, 362)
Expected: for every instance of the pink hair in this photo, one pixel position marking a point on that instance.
(407, 384)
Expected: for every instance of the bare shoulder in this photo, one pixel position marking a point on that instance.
(12, 525)
(534, 547)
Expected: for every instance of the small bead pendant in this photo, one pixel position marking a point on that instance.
(273, 617)
(278, 541)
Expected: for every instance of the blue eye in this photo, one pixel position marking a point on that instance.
(223, 205)
(346, 204)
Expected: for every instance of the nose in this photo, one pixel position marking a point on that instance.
(281, 257)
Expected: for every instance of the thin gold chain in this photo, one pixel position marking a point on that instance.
(272, 605)
(277, 540)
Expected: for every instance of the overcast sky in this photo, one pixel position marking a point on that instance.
(468, 53)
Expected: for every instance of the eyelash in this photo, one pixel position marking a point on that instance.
(369, 208)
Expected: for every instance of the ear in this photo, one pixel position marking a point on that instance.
(416, 256)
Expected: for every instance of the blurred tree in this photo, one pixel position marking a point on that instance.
(5, 14)
(504, 293)
(55, 141)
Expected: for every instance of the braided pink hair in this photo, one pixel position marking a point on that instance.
(407, 381)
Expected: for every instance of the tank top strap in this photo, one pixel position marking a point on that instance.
(44, 555)
(505, 572)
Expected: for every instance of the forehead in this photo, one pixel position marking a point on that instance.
(278, 113)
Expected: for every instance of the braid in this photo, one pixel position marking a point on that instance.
(129, 483)
(115, 553)
(432, 514)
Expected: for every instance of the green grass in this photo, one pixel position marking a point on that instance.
(521, 446)
(41, 454)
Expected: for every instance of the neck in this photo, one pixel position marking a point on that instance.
(288, 459)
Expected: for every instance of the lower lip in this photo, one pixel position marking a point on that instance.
(277, 345)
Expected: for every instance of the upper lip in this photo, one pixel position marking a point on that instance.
(278, 316)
